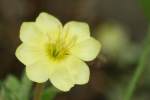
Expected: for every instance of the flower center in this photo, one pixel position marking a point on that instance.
(58, 51)
(59, 48)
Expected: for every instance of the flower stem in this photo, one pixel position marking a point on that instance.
(139, 70)
(38, 91)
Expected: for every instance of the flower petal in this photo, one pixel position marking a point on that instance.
(78, 30)
(61, 79)
(30, 34)
(78, 70)
(39, 72)
(49, 25)
(69, 72)
(29, 54)
(86, 50)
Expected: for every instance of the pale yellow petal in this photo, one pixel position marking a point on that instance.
(79, 71)
(29, 54)
(68, 72)
(30, 34)
(49, 25)
(77, 30)
(61, 79)
(39, 71)
(86, 50)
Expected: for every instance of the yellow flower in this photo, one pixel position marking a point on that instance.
(51, 51)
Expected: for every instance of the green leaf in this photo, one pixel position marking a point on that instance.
(14, 89)
(12, 83)
(146, 7)
(10, 88)
(25, 88)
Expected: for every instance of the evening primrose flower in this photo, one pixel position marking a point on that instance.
(51, 51)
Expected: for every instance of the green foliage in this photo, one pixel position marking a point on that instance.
(146, 7)
(9, 88)
(25, 88)
(14, 89)
(142, 64)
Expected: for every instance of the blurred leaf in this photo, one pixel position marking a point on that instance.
(25, 88)
(49, 93)
(10, 88)
(146, 7)
(145, 77)
(12, 83)
(13, 89)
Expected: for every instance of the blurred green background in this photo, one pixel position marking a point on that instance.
(120, 25)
